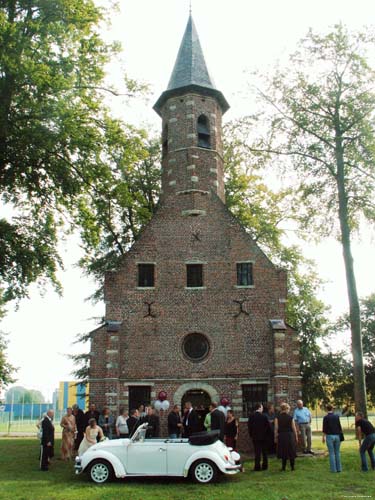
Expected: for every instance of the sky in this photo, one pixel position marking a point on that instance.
(237, 37)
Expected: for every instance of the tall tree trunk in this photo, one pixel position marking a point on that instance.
(360, 398)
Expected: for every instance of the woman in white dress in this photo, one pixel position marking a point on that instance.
(92, 432)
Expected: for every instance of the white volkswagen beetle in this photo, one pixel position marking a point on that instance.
(202, 457)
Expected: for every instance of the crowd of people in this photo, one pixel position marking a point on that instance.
(273, 433)
(280, 433)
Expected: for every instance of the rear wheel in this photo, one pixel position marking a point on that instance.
(204, 471)
(101, 471)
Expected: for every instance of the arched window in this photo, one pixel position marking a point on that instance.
(204, 139)
(164, 141)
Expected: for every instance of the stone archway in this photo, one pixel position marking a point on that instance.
(190, 386)
(200, 395)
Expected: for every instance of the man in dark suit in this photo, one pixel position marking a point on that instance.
(217, 420)
(47, 441)
(153, 429)
(80, 424)
(190, 421)
(91, 413)
(259, 429)
(133, 421)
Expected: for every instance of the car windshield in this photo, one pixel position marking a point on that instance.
(140, 434)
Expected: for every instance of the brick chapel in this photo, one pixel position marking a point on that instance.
(196, 308)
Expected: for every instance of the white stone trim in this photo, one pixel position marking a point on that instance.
(279, 350)
(190, 115)
(193, 212)
(172, 120)
(172, 183)
(191, 136)
(194, 178)
(190, 167)
(173, 107)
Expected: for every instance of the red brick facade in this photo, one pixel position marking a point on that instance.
(142, 344)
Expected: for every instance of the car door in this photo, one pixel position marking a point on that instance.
(177, 455)
(148, 458)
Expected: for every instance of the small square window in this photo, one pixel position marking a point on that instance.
(194, 275)
(146, 274)
(245, 274)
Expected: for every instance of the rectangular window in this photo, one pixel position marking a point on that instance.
(252, 394)
(139, 395)
(146, 275)
(194, 275)
(244, 274)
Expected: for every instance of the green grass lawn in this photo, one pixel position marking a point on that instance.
(20, 479)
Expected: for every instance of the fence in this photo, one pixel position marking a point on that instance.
(22, 418)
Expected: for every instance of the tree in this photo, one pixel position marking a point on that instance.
(19, 394)
(320, 116)
(55, 132)
(367, 308)
(6, 369)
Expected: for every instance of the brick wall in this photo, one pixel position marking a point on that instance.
(193, 225)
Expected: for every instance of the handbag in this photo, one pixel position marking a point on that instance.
(342, 437)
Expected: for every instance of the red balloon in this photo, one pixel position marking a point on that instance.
(162, 396)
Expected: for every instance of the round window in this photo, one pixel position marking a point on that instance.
(196, 346)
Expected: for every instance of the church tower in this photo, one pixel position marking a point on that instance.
(191, 110)
(195, 310)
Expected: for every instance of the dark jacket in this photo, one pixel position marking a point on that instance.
(80, 421)
(91, 414)
(153, 429)
(259, 427)
(331, 424)
(48, 432)
(218, 422)
(190, 423)
(133, 423)
(174, 419)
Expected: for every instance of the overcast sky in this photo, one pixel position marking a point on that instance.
(237, 37)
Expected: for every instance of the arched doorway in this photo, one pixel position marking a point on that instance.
(200, 400)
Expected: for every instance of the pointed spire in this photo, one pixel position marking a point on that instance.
(190, 70)
(190, 67)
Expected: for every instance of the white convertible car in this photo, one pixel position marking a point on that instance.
(202, 457)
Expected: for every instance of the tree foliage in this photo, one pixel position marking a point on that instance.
(55, 132)
(19, 394)
(319, 114)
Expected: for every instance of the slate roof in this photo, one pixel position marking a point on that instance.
(190, 66)
(190, 71)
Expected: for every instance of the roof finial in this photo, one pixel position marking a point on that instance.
(190, 8)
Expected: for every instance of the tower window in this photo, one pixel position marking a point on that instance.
(204, 139)
(164, 141)
(194, 275)
(146, 275)
(245, 274)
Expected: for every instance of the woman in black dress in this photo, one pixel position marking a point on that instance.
(231, 430)
(285, 436)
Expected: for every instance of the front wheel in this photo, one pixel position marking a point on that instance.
(204, 471)
(101, 471)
